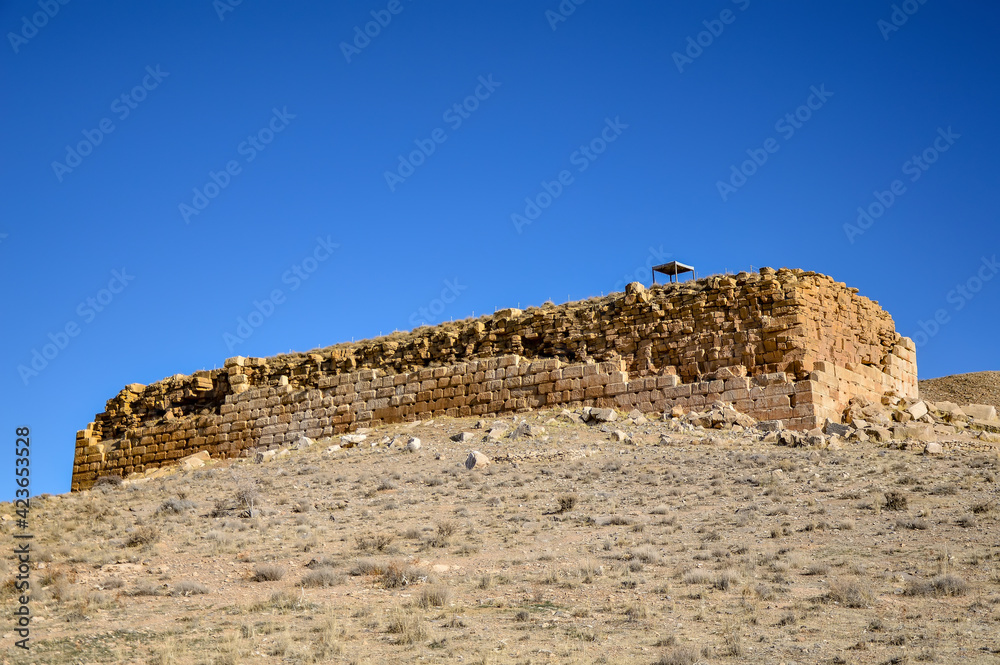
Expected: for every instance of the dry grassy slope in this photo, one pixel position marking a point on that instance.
(972, 388)
(713, 547)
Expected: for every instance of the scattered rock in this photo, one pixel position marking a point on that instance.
(720, 416)
(462, 437)
(933, 448)
(570, 417)
(912, 431)
(947, 407)
(413, 445)
(815, 437)
(878, 433)
(637, 417)
(917, 410)
(837, 429)
(986, 426)
(598, 415)
(789, 437)
(770, 426)
(604, 415)
(476, 460)
(332, 449)
(195, 461)
(351, 440)
(264, 456)
(526, 430)
(619, 435)
(981, 411)
(303, 442)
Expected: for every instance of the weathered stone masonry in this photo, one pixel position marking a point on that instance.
(788, 345)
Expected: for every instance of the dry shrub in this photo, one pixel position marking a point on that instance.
(174, 506)
(282, 599)
(567, 502)
(680, 655)
(267, 573)
(142, 535)
(942, 585)
(366, 567)
(967, 520)
(321, 577)
(144, 588)
(895, 501)
(646, 554)
(188, 588)
(397, 574)
(614, 520)
(408, 628)
(852, 592)
(982, 508)
(378, 542)
(442, 537)
(697, 576)
(434, 596)
(726, 579)
(636, 612)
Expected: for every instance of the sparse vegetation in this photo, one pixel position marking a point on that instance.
(142, 535)
(895, 501)
(567, 502)
(370, 556)
(942, 585)
(321, 577)
(853, 592)
(267, 573)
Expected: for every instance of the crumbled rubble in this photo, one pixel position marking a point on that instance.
(720, 416)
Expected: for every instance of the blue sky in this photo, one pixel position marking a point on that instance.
(171, 168)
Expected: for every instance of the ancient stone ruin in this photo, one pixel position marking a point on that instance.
(788, 345)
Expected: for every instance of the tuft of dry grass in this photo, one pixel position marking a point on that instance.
(267, 573)
(175, 506)
(853, 592)
(678, 655)
(942, 585)
(188, 588)
(141, 536)
(434, 596)
(408, 628)
(379, 542)
(321, 577)
(397, 574)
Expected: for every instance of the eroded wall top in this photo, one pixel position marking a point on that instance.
(771, 321)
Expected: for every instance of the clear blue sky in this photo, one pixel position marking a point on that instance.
(212, 157)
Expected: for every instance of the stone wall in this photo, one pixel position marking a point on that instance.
(788, 344)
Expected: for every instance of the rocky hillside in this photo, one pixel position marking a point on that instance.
(972, 388)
